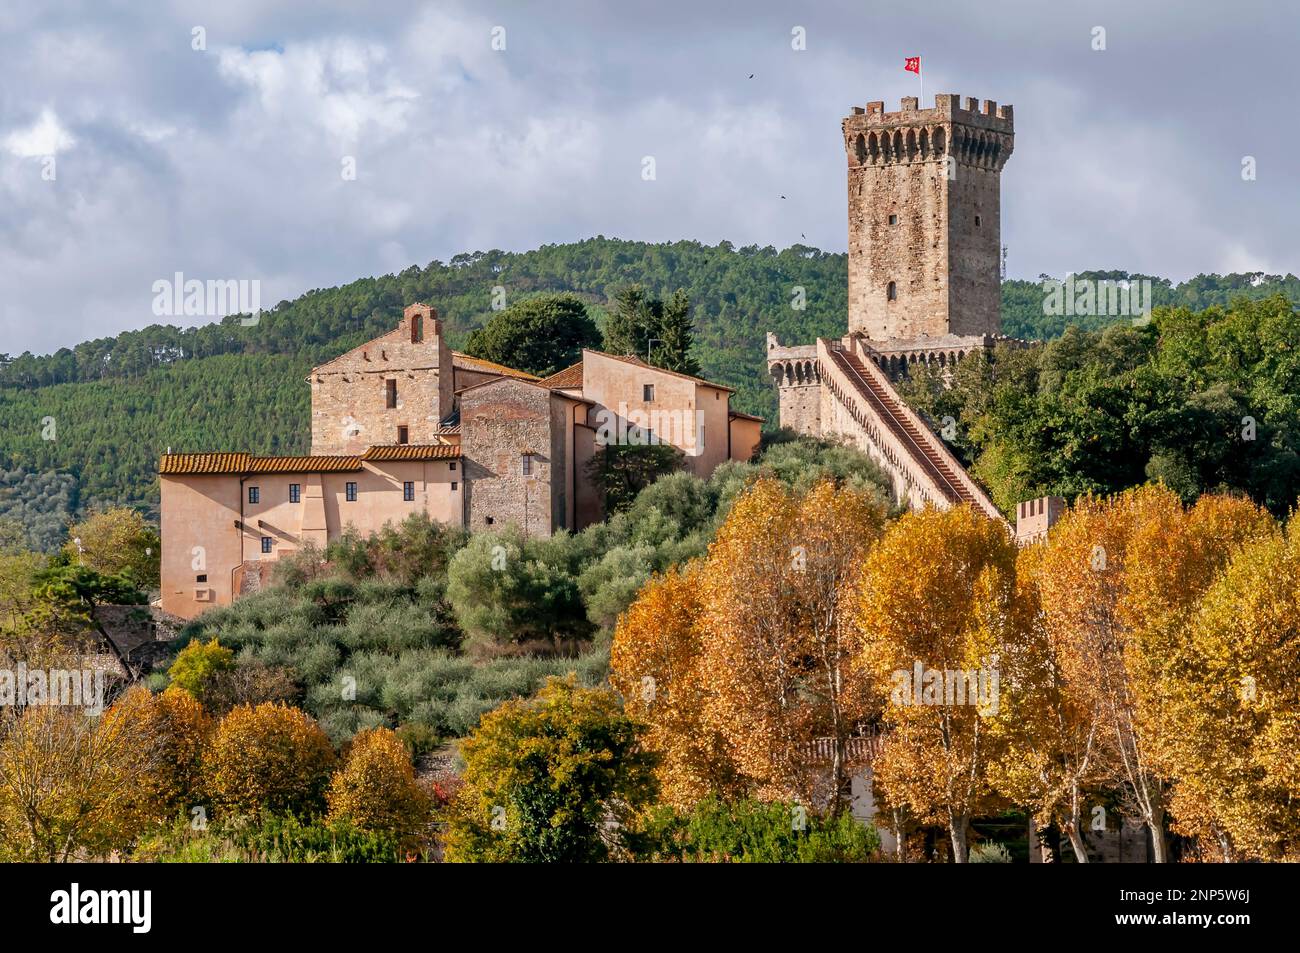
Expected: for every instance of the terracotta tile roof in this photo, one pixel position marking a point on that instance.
(731, 415)
(477, 363)
(303, 464)
(411, 451)
(636, 361)
(568, 379)
(203, 463)
(194, 464)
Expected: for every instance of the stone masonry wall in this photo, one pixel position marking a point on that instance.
(499, 421)
(924, 214)
(349, 395)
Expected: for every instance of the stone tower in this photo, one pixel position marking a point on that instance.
(924, 218)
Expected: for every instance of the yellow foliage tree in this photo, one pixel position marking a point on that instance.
(117, 540)
(172, 783)
(936, 610)
(376, 789)
(654, 665)
(68, 783)
(268, 758)
(1233, 709)
(777, 651)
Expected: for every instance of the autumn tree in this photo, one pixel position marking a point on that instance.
(936, 611)
(554, 778)
(375, 790)
(1055, 745)
(117, 540)
(655, 666)
(68, 782)
(198, 665)
(777, 658)
(171, 784)
(268, 758)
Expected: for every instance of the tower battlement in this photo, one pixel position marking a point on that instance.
(947, 107)
(924, 217)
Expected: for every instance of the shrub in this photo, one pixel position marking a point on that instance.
(197, 664)
(268, 758)
(751, 831)
(376, 789)
(553, 778)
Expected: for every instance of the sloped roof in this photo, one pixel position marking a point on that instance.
(732, 415)
(411, 451)
(568, 379)
(195, 464)
(477, 363)
(637, 362)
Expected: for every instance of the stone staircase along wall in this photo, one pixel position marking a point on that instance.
(860, 403)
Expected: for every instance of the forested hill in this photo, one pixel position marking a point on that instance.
(118, 402)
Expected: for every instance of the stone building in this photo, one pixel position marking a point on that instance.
(404, 424)
(924, 204)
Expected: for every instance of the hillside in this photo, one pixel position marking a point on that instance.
(118, 402)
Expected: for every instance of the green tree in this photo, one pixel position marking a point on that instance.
(198, 665)
(619, 473)
(660, 329)
(540, 335)
(556, 778)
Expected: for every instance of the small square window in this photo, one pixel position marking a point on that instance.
(403, 435)
(893, 220)
(489, 520)
(452, 466)
(295, 492)
(351, 489)
(454, 484)
(648, 392)
(266, 544)
(201, 577)
(254, 494)
(408, 491)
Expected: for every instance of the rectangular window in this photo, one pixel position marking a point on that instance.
(390, 395)
(489, 520)
(528, 464)
(408, 491)
(266, 544)
(201, 577)
(453, 466)
(352, 492)
(454, 484)
(295, 492)
(701, 436)
(254, 494)
(403, 435)
(647, 392)
(893, 220)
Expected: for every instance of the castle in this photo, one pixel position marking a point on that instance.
(404, 424)
(924, 202)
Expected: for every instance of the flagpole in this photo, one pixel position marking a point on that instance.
(921, 76)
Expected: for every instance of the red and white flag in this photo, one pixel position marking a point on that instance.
(913, 65)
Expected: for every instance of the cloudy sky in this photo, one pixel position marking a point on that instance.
(227, 162)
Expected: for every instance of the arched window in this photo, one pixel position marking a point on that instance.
(860, 148)
(891, 291)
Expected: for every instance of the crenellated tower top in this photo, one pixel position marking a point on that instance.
(973, 136)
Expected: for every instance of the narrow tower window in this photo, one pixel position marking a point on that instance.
(891, 291)
(390, 393)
